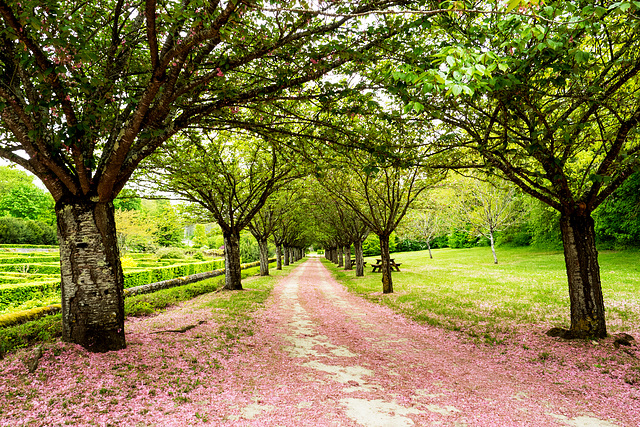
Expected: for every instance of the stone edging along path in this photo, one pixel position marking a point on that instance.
(320, 356)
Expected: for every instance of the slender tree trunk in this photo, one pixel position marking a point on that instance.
(263, 246)
(493, 247)
(91, 275)
(340, 257)
(583, 273)
(278, 256)
(286, 255)
(232, 269)
(387, 283)
(429, 247)
(357, 245)
(347, 258)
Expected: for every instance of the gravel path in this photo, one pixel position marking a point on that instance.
(320, 357)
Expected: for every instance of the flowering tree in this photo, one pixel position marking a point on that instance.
(89, 89)
(548, 96)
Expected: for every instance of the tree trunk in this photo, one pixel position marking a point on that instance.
(387, 283)
(232, 269)
(347, 258)
(357, 245)
(429, 247)
(340, 257)
(91, 275)
(286, 255)
(278, 256)
(263, 246)
(583, 273)
(493, 247)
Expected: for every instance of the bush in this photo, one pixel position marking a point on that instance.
(24, 231)
(371, 245)
(170, 253)
(461, 239)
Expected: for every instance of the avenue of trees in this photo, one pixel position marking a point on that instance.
(257, 112)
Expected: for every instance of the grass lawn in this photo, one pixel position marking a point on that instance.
(461, 289)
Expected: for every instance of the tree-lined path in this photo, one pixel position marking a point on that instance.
(319, 356)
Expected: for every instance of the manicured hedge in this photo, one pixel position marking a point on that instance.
(22, 259)
(12, 293)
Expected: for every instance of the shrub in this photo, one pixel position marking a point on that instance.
(24, 231)
(170, 253)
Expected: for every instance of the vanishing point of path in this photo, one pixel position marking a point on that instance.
(320, 357)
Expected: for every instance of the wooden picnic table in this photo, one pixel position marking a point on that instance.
(378, 265)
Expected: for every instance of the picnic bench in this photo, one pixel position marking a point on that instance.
(378, 265)
(353, 263)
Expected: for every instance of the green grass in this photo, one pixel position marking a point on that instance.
(233, 307)
(461, 289)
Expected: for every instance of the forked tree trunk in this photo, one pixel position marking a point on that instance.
(232, 269)
(340, 257)
(286, 255)
(387, 283)
(347, 258)
(357, 245)
(583, 273)
(493, 247)
(91, 274)
(278, 256)
(263, 246)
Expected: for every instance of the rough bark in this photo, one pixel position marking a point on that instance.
(340, 257)
(583, 273)
(278, 256)
(387, 283)
(357, 245)
(264, 257)
(91, 274)
(232, 269)
(286, 255)
(347, 258)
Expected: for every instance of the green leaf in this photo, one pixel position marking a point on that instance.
(512, 5)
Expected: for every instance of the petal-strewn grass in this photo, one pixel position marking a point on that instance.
(461, 289)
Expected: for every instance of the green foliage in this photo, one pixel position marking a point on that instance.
(249, 251)
(29, 202)
(169, 230)
(170, 253)
(459, 238)
(200, 236)
(24, 231)
(618, 219)
(371, 245)
(128, 200)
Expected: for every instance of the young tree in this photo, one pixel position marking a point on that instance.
(89, 89)
(488, 206)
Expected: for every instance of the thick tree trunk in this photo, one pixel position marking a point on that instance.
(340, 257)
(278, 256)
(232, 270)
(91, 274)
(357, 245)
(286, 255)
(387, 283)
(583, 273)
(347, 258)
(493, 247)
(263, 246)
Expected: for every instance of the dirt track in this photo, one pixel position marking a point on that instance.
(349, 362)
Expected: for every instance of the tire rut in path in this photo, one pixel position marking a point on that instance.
(326, 357)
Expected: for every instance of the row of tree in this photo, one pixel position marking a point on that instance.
(542, 95)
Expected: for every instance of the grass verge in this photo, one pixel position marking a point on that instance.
(461, 289)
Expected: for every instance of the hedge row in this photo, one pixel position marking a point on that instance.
(22, 292)
(22, 259)
(11, 319)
